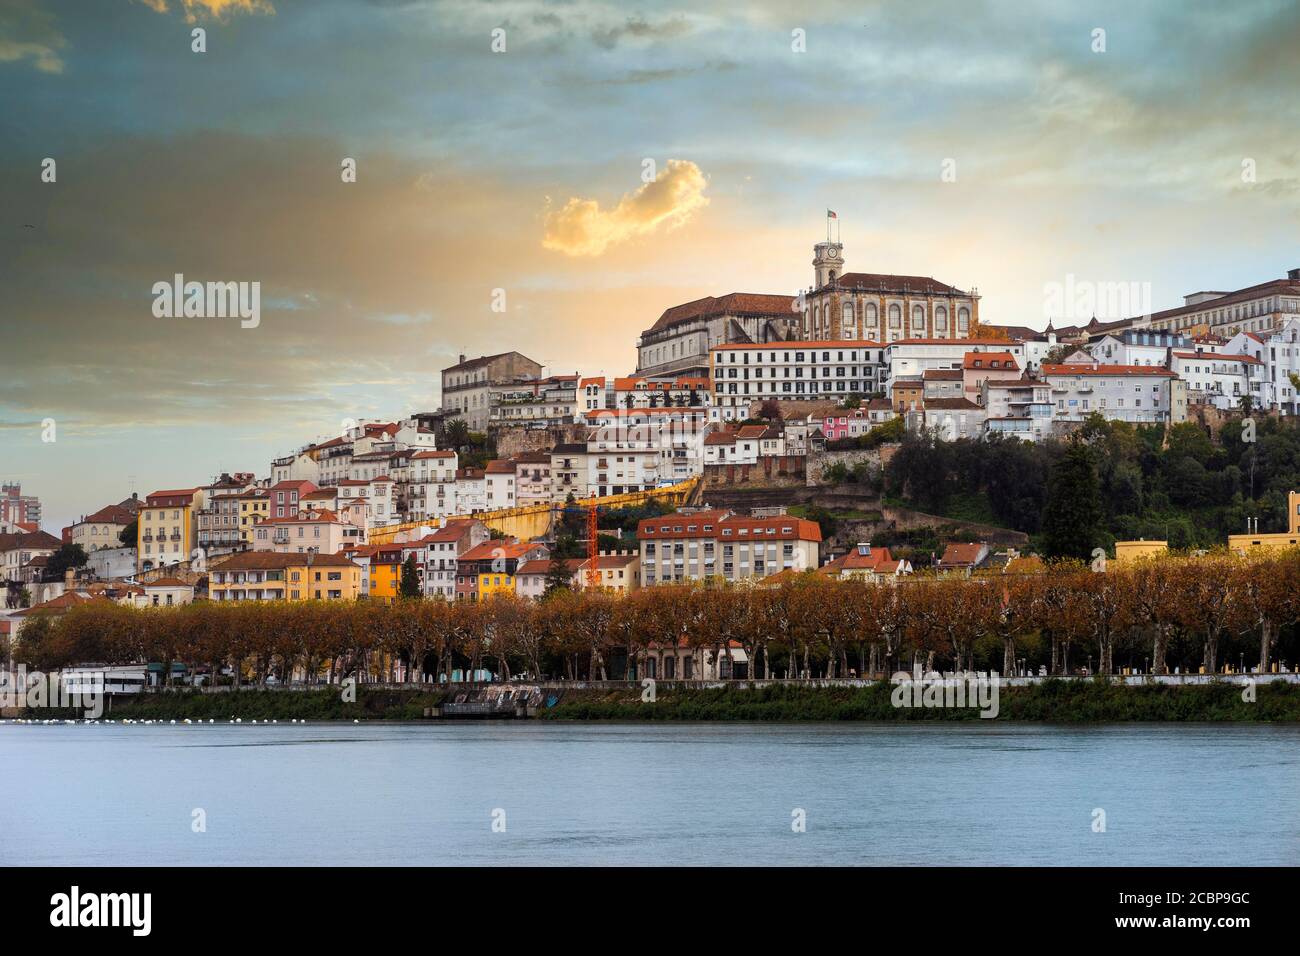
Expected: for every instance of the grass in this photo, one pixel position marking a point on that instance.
(1054, 701)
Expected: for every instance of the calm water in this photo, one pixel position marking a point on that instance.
(638, 794)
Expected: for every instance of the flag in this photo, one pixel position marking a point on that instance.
(830, 214)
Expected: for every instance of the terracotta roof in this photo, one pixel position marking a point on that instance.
(272, 560)
(735, 303)
(33, 540)
(110, 514)
(499, 548)
(320, 494)
(61, 603)
(951, 404)
(986, 360)
(959, 555)
(879, 560)
(433, 454)
(942, 375)
(1105, 370)
(1219, 357)
(167, 583)
(500, 466)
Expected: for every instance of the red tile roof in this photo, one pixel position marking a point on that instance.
(1105, 370)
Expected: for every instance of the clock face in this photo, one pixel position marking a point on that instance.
(831, 253)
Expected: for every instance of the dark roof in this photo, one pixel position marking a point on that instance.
(29, 539)
(953, 404)
(883, 282)
(735, 303)
(481, 361)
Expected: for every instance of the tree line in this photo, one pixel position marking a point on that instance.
(1155, 615)
(1111, 480)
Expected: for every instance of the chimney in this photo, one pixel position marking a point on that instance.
(69, 578)
(1293, 275)
(461, 360)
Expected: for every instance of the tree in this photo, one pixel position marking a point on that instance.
(68, 556)
(770, 410)
(410, 586)
(559, 576)
(129, 535)
(456, 433)
(1073, 509)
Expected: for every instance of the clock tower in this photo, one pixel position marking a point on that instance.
(828, 262)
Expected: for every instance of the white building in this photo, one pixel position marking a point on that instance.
(1021, 408)
(690, 545)
(1279, 354)
(1137, 347)
(815, 370)
(909, 359)
(1218, 379)
(1130, 393)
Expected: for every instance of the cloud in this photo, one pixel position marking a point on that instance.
(582, 228)
(216, 9)
(29, 33)
(638, 28)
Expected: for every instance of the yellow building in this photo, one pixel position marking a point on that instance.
(1281, 539)
(272, 576)
(167, 528)
(385, 572)
(254, 506)
(1127, 551)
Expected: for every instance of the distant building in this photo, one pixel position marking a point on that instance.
(690, 545)
(273, 576)
(168, 528)
(18, 508)
(466, 385)
(678, 344)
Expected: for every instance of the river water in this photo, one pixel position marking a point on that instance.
(649, 794)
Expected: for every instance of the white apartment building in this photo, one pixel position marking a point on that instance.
(691, 545)
(1279, 353)
(910, 359)
(499, 478)
(1218, 379)
(743, 374)
(1131, 393)
(1021, 408)
(471, 491)
(431, 488)
(1137, 347)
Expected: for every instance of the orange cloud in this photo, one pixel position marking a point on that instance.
(217, 9)
(582, 228)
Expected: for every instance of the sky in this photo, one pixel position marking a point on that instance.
(597, 161)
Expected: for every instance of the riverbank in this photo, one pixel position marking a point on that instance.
(1052, 701)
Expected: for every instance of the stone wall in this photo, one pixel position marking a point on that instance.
(771, 471)
(514, 440)
(819, 461)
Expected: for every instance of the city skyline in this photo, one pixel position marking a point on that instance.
(523, 170)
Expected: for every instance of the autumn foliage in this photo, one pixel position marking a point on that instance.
(1154, 616)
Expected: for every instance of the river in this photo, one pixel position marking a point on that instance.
(535, 792)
